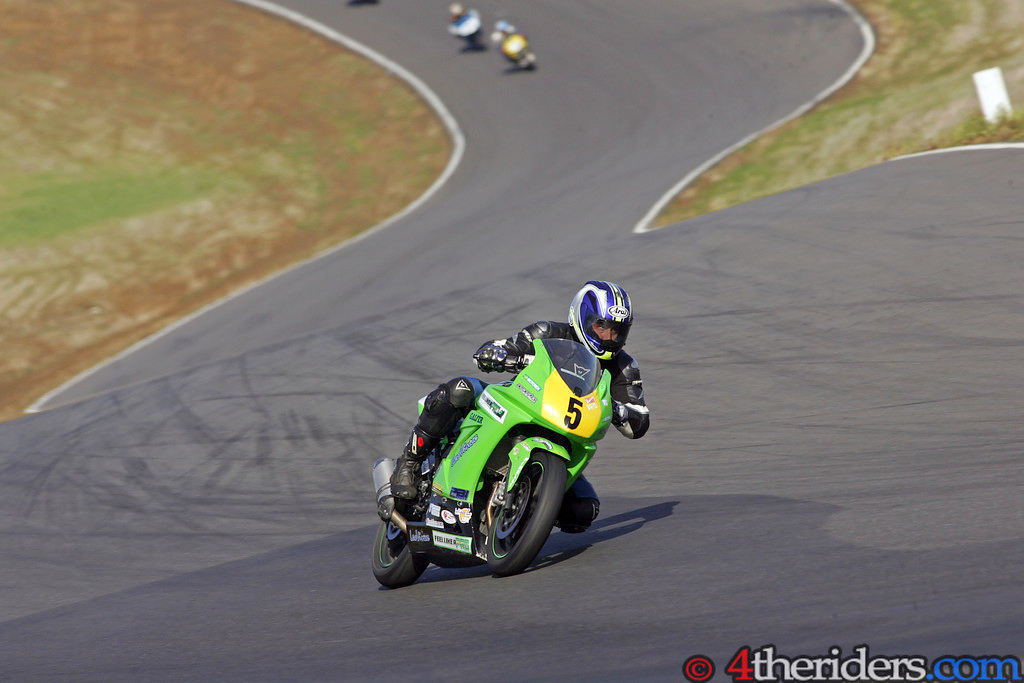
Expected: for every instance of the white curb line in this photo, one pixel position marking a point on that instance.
(421, 88)
(964, 148)
(869, 47)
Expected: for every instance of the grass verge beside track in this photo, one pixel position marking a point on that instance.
(159, 154)
(914, 94)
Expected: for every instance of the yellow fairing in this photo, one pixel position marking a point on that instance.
(513, 45)
(579, 415)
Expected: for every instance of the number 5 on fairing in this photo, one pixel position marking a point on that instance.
(573, 416)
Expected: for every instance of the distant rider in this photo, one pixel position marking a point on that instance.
(502, 30)
(456, 14)
(600, 317)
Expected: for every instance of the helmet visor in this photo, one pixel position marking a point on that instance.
(609, 335)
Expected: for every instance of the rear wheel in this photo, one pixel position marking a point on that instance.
(522, 525)
(394, 565)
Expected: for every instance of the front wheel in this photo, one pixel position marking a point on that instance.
(394, 565)
(523, 524)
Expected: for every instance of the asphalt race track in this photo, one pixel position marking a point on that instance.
(834, 378)
(625, 103)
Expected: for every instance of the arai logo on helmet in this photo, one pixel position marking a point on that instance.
(618, 311)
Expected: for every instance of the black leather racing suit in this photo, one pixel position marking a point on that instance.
(452, 400)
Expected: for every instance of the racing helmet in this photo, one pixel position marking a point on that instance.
(601, 315)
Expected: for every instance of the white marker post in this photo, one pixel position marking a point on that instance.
(991, 88)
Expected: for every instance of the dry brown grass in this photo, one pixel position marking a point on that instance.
(915, 93)
(287, 145)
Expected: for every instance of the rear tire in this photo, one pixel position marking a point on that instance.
(522, 526)
(394, 565)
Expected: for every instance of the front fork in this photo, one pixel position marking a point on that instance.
(497, 499)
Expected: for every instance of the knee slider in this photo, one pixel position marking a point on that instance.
(437, 400)
(438, 415)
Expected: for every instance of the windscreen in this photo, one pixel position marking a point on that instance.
(577, 366)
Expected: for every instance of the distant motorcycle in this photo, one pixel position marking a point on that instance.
(466, 24)
(513, 45)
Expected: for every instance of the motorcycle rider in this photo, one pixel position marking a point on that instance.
(600, 317)
(465, 23)
(501, 33)
(457, 12)
(502, 30)
(513, 45)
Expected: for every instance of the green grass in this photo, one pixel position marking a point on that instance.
(974, 129)
(158, 153)
(43, 206)
(915, 93)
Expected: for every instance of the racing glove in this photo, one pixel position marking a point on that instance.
(491, 357)
(631, 420)
(620, 413)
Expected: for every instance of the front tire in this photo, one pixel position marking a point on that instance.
(394, 565)
(524, 522)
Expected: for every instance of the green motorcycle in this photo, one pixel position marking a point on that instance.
(492, 492)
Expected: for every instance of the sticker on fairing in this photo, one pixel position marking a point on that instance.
(461, 544)
(515, 475)
(525, 392)
(579, 371)
(417, 536)
(447, 517)
(531, 382)
(464, 515)
(460, 494)
(465, 447)
(493, 408)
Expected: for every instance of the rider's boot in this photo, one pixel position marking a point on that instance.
(406, 477)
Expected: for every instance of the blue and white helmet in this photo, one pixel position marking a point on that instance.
(601, 315)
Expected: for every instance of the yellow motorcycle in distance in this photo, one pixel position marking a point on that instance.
(513, 45)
